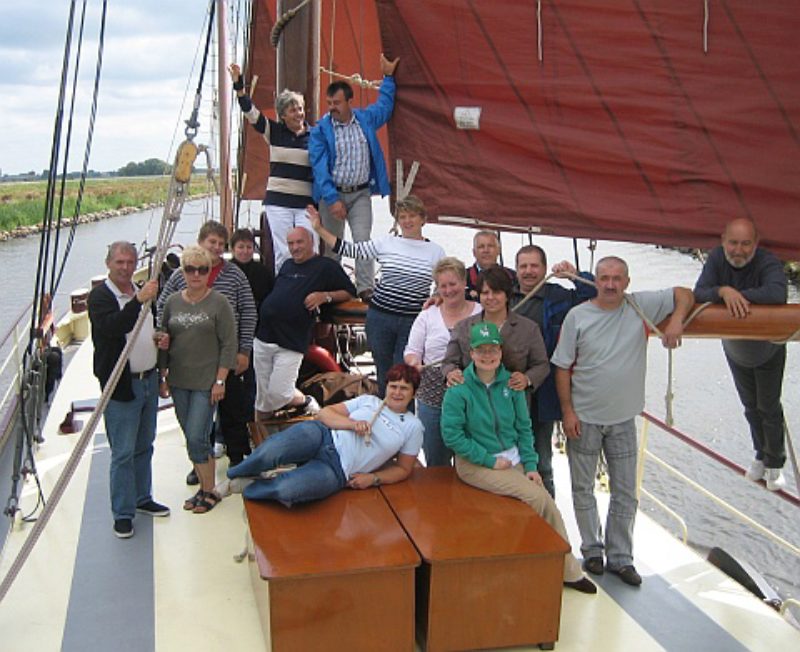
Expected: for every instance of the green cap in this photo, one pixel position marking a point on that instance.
(484, 332)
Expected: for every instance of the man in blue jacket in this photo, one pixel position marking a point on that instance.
(548, 308)
(739, 273)
(348, 164)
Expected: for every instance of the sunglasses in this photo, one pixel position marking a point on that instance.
(191, 269)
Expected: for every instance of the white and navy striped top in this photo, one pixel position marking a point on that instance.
(230, 283)
(406, 271)
(290, 174)
(351, 167)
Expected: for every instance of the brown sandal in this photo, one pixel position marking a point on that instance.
(206, 502)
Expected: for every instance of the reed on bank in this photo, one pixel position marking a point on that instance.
(22, 204)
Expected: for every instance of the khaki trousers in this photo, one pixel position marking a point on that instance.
(514, 483)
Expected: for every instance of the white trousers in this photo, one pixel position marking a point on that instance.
(276, 374)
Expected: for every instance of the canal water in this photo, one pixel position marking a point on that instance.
(705, 404)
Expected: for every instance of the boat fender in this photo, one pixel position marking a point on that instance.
(321, 358)
(54, 369)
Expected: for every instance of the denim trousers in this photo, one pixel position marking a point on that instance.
(618, 443)
(359, 218)
(307, 444)
(131, 429)
(436, 451)
(387, 335)
(759, 390)
(195, 414)
(514, 483)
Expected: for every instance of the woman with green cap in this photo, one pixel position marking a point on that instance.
(487, 425)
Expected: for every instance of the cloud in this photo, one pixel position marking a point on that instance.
(150, 46)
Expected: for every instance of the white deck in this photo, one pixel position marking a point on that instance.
(175, 584)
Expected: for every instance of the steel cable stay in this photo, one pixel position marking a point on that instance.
(176, 197)
(32, 364)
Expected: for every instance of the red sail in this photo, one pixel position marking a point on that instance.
(626, 129)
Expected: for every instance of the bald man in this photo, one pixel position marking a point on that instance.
(740, 273)
(304, 283)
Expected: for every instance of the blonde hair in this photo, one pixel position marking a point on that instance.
(412, 204)
(195, 255)
(450, 264)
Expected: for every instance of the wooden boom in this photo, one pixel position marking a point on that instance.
(776, 323)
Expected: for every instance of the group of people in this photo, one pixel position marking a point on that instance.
(494, 359)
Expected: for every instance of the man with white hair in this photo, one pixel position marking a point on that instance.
(486, 250)
(739, 273)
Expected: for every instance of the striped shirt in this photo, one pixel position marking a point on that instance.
(290, 175)
(352, 154)
(406, 272)
(232, 284)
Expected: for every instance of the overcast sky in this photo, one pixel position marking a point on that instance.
(150, 46)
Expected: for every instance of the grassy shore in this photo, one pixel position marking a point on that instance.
(22, 204)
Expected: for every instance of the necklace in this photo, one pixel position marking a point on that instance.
(192, 301)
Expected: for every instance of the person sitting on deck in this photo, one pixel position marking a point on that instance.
(739, 273)
(486, 249)
(304, 284)
(361, 443)
(488, 426)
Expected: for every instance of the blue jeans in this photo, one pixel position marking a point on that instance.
(307, 444)
(195, 414)
(436, 452)
(131, 429)
(618, 442)
(387, 335)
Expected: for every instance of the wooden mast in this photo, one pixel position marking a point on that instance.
(224, 89)
(298, 53)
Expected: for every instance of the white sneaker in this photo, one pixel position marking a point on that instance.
(756, 471)
(775, 479)
(231, 486)
(219, 449)
(311, 406)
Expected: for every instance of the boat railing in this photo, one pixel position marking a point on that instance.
(12, 346)
(646, 454)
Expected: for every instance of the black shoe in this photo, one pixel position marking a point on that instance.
(594, 565)
(123, 528)
(192, 478)
(627, 574)
(153, 508)
(584, 585)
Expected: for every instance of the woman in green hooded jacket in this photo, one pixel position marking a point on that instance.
(488, 427)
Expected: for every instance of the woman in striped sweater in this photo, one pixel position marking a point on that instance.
(289, 183)
(404, 285)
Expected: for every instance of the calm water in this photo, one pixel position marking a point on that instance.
(705, 403)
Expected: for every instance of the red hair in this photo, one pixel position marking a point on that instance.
(404, 372)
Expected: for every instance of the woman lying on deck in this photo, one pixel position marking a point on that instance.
(487, 425)
(346, 446)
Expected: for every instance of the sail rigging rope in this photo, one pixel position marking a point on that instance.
(176, 196)
(283, 21)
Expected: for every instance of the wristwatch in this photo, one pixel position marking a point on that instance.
(376, 481)
(328, 298)
(219, 382)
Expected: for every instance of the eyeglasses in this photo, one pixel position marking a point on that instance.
(191, 269)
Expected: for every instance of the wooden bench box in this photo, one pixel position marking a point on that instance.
(340, 574)
(492, 568)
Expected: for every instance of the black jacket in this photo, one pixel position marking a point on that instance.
(110, 325)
